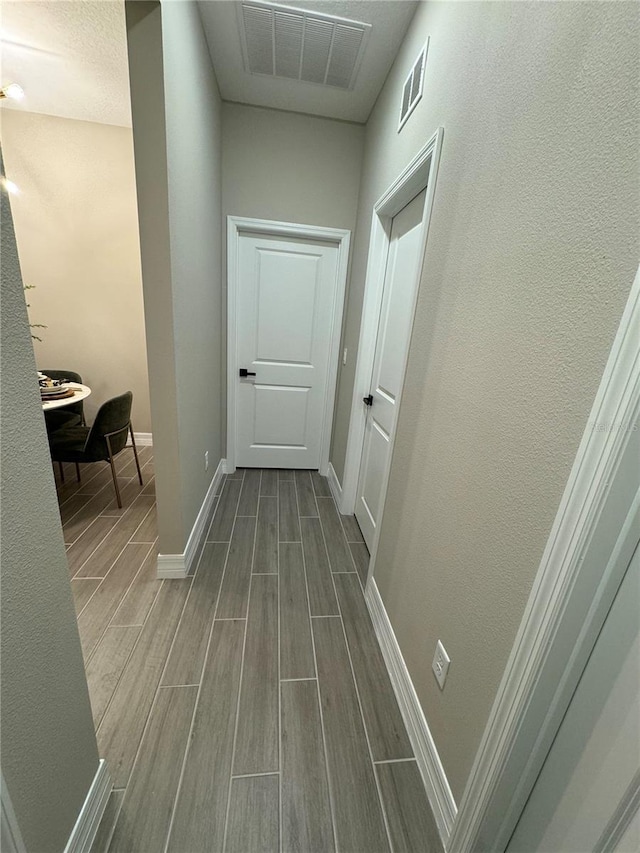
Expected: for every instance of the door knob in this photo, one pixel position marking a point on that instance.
(368, 401)
(244, 372)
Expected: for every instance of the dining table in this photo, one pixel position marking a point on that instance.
(80, 392)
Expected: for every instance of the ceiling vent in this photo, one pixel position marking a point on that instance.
(412, 90)
(279, 41)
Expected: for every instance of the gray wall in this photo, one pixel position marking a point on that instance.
(79, 246)
(290, 167)
(49, 751)
(531, 255)
(177, 142)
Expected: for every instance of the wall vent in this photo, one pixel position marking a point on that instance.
(280, 41)
(412, 89)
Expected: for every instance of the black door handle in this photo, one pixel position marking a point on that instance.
(244, 372)
(368, 401)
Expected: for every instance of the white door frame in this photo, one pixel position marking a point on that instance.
(237, 225)
(569, 601)
(421, 173)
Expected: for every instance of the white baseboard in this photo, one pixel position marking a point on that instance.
(182, 565)
(431, 769)
(144, 439)
(86, 827)
(334, 485)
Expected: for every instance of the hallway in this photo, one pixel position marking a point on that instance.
(248, 709)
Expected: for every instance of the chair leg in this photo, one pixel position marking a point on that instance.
(78, 473)
(113, 474)
(61, 469)
(135, 453)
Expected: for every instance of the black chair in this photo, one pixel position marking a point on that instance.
(100, 443)
(72, 414)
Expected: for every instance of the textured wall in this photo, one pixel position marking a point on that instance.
(194, 156)
(177, 137)
(290, 167)
(532, 251)
(76, 222)
(49, 752)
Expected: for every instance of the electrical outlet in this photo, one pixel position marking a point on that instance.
(206, 460)
(440, 665)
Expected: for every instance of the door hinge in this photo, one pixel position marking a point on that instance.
(368, 401)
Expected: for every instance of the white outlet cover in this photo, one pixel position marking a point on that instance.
(440, 665)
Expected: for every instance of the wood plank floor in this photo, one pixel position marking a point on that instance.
(246, 708)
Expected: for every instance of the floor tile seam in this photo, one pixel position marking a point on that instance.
(330, 791)
(191, 579)
(230, 619)
(235, 729)
(279, 664)
(81, 484)
(199, 693)
(122, 512)
(394, 760)
(256, 775)
(301, 678)
(145, 729)
(108, 625)
(280, 774)
(126, 592)
(349, 551)
(108, 483)
(146, 515)
(119, 521)
(74, 576)
(109, 570)
(133, 648)
(235, 517)
(362, 717)
(313, 493)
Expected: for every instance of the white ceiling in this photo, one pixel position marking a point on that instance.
(70, 57)
(389, 20)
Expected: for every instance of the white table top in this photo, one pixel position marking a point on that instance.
(81, 391)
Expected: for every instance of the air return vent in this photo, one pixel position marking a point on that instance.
(412, 89)
(280, 41)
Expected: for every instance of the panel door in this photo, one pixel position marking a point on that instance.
(285, 306)
(394, 330)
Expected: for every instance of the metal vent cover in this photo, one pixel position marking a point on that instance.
(412, 89)
(280, 41)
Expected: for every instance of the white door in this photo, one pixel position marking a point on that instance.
(286, 299)
(593, 766)
(394, 330)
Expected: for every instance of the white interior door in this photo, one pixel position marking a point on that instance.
(593, 764)
(394, 330)
(286, 299)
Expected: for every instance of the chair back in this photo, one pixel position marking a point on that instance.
(113, 417)
(72, 376)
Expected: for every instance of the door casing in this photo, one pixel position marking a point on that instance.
(420, 174)
(237, 225)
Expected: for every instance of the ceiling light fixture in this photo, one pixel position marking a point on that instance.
(13, 91)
